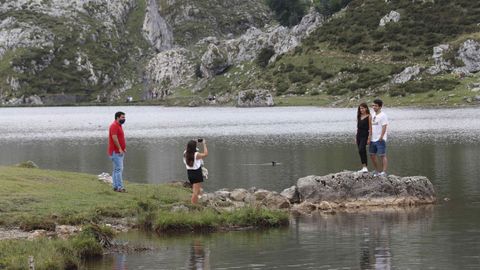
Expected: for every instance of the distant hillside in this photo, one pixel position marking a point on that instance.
(330, 52)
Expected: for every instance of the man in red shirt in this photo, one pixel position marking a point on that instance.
(117, 149)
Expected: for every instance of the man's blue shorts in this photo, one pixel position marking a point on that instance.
(378, 148)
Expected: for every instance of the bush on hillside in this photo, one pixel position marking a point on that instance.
(328, 7)
(264, 56)
(288, 12)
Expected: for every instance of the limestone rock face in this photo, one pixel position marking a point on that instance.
(406, 75)
(214, 61)
(393, 16)
(109, 12)
(167, 70)
(349, 186)
(255, 98)
(222, 54)
(440, 63)
(15, 34)
(469, 54)
(308, 24)
(155, 29)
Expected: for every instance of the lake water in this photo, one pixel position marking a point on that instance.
(442, 144)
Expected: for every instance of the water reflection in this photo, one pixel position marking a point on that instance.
(198, 256)
(119, 262)
(374, 239)
(375, 250)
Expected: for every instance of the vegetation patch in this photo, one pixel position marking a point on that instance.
(55, 253)
(422, 25)
(210, 220)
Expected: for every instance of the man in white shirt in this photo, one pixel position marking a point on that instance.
(378, 139)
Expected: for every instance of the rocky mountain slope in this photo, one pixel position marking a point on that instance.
(227, 52)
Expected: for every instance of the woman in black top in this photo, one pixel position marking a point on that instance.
(364, 130)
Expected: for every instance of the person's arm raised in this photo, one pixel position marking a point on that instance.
(205, 151)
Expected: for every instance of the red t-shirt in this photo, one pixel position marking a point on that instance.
(115, 129)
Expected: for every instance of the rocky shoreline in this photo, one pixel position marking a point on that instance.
(343, 191)
(333, 192)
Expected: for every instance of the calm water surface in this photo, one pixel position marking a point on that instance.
(441, 144)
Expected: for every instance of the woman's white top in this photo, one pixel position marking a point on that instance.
(197, 163)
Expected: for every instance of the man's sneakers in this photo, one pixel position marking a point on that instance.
(379, 174)
(363, 170)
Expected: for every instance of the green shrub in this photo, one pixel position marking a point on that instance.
(397, 91)
(336, 90)
(86, 246)
(289, 67)
(264, 56)
(281, 86)
(398, 57)
(429, 85)
(288, 13)
(301, 77)
(328, 7)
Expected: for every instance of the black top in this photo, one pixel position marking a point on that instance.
(363, 127)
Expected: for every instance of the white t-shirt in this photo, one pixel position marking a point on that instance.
(197, 163)
(378, 121)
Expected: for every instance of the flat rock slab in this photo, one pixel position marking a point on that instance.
(344, 190)
(348, 187)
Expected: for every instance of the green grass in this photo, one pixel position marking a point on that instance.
(53, 253)
(35, 198)
(421, 26)
(210, 220)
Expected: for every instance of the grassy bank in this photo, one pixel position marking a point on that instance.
(35, 199)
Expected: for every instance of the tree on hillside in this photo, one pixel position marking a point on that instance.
(288, 12)
(328, 7)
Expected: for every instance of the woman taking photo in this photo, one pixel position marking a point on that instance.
(193, 160)
(364, 129)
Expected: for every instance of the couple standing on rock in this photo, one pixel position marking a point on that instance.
(372, 131)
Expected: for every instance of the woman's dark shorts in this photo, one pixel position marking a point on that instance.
(195, 176)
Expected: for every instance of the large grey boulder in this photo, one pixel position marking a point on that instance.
(351, 187)
(276, 201)
(239, 194)
(469, 54)
(34, 100)
(291, 194)
(393, 16)
(311, 21)
(406, 75)
(255, 98)
(440, 63)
